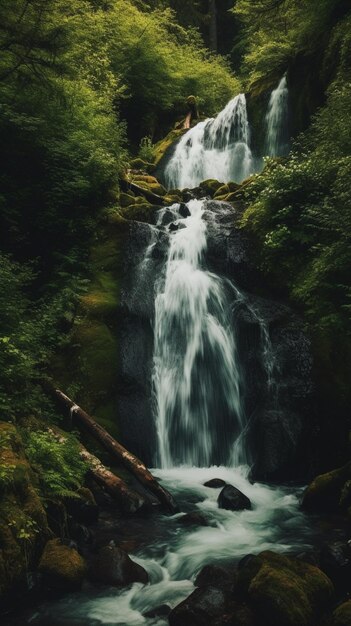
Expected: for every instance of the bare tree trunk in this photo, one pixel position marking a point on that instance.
(213, 25)
(129, 460)
(130, 501)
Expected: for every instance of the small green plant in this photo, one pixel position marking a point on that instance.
(57, 460)
(146, 149)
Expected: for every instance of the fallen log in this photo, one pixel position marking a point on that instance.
(126, 186)
(117, 451)
(130, 500)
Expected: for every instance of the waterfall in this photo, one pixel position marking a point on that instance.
(277, 137)
(196, 373)
(216, 148)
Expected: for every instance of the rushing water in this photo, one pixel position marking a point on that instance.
(196, 371)
(216, 148)
(277, 138)
(200, 419)
(173, 554)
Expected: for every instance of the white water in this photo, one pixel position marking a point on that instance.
(178, 553)
(196, 370)
(216, 148)
(277, 141)
(195, 346)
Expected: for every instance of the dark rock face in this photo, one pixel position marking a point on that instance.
(215, 483)
(201, 608)
(335, 561)
(214, 576)
(193, 519)
(232, 499)
(273, 349)
(183, 210)
(113, 566)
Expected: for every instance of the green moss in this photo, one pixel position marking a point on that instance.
(325, 491)
(223, 190)
(61, 566)
(163, 146)
(126, 199)
(210, 186)
(23, 523)
(140, 164)
(141, 211)
(286, 591)
(342, 615)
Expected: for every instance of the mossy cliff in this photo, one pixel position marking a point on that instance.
(23, 523)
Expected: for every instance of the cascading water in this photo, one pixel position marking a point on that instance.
(196, 373)
(200, 421)
(216, 148)
(277, 138)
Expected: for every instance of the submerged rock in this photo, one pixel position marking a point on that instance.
(61, 566)
(232, 499)
(113, 566)
(215, 483)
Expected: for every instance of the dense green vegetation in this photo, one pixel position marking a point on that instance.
(68, 74)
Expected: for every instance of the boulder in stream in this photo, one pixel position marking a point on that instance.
(215, 483)
(232, 499)
(61, 567)
(113, 566)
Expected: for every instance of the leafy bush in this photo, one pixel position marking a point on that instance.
(146, 149)
(57, 460)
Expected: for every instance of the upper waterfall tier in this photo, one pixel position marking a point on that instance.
(277, 139)
(216, 148)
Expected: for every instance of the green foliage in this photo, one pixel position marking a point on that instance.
(146, 150)
(57, 460)
(277, 31)
(300, 211)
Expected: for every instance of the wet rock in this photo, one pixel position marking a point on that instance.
(215, 483)
(193, 519)
(113, 566)
(232, 499)
(214, 576)
(201, 608)
(160, 611)
(83, 509)
(173, 227)
(61, 567)
(335, 561)
(183, 210)
(325, 491)
(283, 590)
(342, 615)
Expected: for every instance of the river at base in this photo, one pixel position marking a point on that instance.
(173, 554)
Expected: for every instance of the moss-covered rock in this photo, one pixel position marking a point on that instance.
(328, 492)
(61, 566)
(125, 199)
(162, 147)
(149, 183)
(342, 615)
(23, 522)
(210, 186)
(222, 190)
(140, 164)
(140, 211)
(285, 591)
